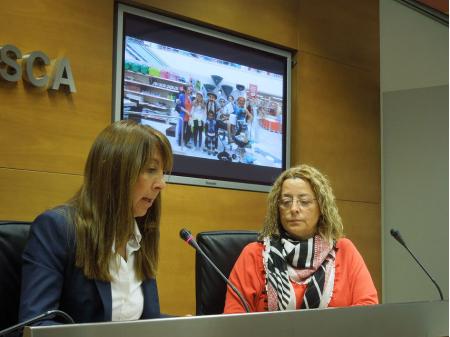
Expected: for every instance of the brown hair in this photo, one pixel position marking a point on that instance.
(103, 206)
(330, 223)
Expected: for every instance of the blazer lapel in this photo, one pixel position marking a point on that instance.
(151, 300)
(104, 289)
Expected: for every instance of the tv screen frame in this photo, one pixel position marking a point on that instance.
(258, 60)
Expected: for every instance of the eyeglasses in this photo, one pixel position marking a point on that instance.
(287, 202)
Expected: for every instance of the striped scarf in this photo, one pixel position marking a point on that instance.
(309, 262)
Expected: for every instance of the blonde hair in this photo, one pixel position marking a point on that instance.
(330, 223)
(196, 102)
(103, 205)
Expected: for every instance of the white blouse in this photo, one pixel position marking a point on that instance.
(198, 113)
(126, 291)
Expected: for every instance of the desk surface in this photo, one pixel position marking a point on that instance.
(397, 319)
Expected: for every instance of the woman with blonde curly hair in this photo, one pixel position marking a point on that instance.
(301, 260)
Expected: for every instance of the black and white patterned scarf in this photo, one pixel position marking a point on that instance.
(309, 262)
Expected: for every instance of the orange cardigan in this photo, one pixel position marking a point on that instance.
(352, 283)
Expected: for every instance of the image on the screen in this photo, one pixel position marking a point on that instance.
(222, 100)
(207, 107)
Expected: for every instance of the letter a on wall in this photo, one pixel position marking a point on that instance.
(62, 74)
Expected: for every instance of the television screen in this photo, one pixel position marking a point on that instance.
(222, 101)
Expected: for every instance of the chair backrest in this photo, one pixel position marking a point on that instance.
(13, 237)
(223, 248)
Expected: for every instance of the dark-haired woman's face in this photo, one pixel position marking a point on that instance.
(148, 185)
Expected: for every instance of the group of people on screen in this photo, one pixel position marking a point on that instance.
(207, 115)
(96, 256)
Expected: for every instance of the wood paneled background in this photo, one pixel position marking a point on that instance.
(45, 137)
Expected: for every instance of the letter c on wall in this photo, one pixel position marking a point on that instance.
(28, 64)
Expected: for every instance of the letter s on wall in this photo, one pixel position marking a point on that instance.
(9, 54)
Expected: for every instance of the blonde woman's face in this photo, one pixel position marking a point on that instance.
(299, 209)
(148, 185)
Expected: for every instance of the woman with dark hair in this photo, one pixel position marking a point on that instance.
(198, 113)
(302, 260)
(96, 257)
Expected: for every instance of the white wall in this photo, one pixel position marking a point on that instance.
(415, 121)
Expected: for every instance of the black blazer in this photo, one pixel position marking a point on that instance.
(50, 279)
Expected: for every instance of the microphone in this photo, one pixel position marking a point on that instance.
(396, 235)
(189, 239)
(41, 317)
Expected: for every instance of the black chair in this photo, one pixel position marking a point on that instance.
(223, 248)
(13, 236)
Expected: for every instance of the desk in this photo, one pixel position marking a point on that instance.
(384, 320)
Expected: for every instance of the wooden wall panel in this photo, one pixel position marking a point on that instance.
(345, 31)
(267, 20)
(52, 131)
(339, 126)
(24, 194)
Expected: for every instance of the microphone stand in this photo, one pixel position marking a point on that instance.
(45, 315)
(396, 235)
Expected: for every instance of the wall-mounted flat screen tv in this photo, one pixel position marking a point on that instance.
(222, 100)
